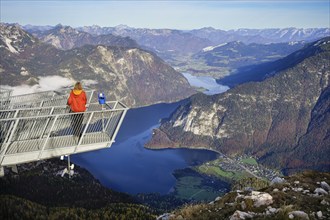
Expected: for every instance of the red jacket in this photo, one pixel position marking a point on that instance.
(77, 100)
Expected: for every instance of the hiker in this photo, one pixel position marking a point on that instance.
(77, 102)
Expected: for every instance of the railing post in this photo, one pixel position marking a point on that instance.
(7, 136)
(114, 108)
(8, 142)
(91, 96)
(46, 124)
(47, 138)
(83, 134)
(118, 126)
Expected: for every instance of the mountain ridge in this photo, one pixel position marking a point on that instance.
(265, 119)
(66, 37)
(203, 37)
(133, 75)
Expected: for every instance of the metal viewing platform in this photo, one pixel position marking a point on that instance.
(31, 134)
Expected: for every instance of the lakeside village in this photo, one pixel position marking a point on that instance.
(237, 168)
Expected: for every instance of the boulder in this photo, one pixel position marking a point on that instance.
(323, 202)
(272, 210)
(240, 215)
(299, 214)
(278, 180)
(319, 214)
(217, 199)
(320, 191)
(260, 198)
(165, 216)
(325, 186)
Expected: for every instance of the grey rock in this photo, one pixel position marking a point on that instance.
(240, 215)
(299, 214)
(306, 191)
(278, 180)
(273, 210)
(323, 202)
(325, 186)
(320, 191)
(217, 199)
(319, 214)
(260, 198)
(165, 216)
(243, 205)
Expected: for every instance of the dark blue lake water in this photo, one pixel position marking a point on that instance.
(128, 167)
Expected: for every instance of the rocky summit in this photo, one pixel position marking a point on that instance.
(283, 120)
(305, 196)
(135, 76)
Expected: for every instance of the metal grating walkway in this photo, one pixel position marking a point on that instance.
(30, 134)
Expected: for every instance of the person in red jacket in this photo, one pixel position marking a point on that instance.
(77, 102)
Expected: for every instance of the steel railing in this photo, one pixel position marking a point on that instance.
(39, 133)
(39, 99)
(5, 94)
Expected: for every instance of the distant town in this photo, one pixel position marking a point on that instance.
(238, 167)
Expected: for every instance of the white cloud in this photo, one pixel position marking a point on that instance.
(45, 84)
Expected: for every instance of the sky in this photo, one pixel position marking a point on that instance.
(173, 14)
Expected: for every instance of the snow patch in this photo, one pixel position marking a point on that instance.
(210, 48)
(293, 43)
(9, 46)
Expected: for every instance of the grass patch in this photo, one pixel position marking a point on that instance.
(220, 173)
(194, 188)
(250, 161)
(217, 171)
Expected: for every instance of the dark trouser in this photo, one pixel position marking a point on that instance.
(76, 123)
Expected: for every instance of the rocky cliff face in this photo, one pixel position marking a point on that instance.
(272, 119)
(135, 76)
(316, 141)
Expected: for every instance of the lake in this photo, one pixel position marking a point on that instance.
(129, 167)
(210, 84)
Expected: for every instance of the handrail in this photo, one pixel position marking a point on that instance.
(58, 108)
(40, 99)
(45, 107)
